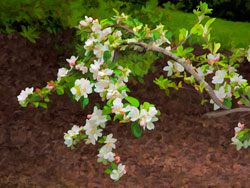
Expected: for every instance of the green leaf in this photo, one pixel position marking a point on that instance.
(60, 90)
(108, 171)
(242, 133)
(216, 47)
(248, 95)
(118, 72)
(36, 104)
(228, 102)
(84, 102)
(136, 129)
(133, 101)
(44, 105)
(46, 99)
(113, 166)
(210, 21)
(106, 56)
(106, 110)
(120, 89)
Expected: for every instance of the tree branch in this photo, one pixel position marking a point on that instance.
(246, 99)
(216, 114)
(182, 42)
(187, 67)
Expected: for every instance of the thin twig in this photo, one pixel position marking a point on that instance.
(246, 99)
(123, 27)
(182, 42)
(225, 112)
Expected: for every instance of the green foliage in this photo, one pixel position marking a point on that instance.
(136, 129)
(138, 63)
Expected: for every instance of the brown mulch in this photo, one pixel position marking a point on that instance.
(184, 150)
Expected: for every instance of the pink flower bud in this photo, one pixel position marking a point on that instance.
(117, 159)
(37, 90)
(209, 62)
(242, 126)
(72, 63)
(89, 116)
(114, 110)
(98, 78)
(142, 122)
(239, 102)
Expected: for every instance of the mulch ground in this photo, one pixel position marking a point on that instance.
(184, 150)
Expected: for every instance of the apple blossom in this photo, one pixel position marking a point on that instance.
(62, 72)
(82, 68)
(100, 49)
(75, 130)
(237, 78)
(82, 88)
(213, 58)
(93, 134)
(219, 77)
(72, 60)
(24, 94)
(68, 140)
(220, 93)
(110, 142)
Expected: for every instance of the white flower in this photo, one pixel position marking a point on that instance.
(82, 88)
(93, 134)
(220, 93)
(133, 113)
(105, 72)
(121, 169)
(68, 140)
(231, 69)
(200, 72)
(82, 68)
(110, 142)
(176, 67)
(118, 34)
(75, 130)
(83, 23)
(237, 78)
(94, 68)
(117, 105)
(102, 85)
(62, 72)
(169, 68)
(107, 31)
(98, 117)
(72, 60)
(88, 19)
(108, 155)
(96, 26)
(115, 175)
(100, 49)
(211, 58)
(24, 94)
(219, 77)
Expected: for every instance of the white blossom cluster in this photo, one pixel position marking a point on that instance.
(235, 139)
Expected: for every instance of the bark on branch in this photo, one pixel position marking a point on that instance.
(225, 112)
(187, 67)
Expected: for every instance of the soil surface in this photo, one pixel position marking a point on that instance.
(184, 150)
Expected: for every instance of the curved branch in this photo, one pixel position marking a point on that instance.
(187, 67)
(182, 42)
(225, 112)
